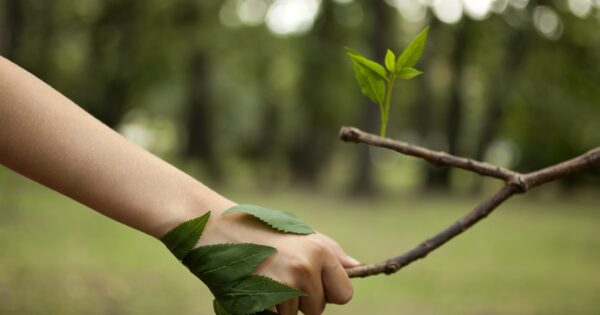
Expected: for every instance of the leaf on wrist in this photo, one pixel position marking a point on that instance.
(227, 268)
(223, 263)
(255, 294)
(279, 220)
(219, 310)
(182, 239)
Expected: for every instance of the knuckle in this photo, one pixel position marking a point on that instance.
(320, 248)
(301, 267)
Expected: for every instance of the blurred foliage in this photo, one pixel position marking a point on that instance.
(254, 92)
(262, 86)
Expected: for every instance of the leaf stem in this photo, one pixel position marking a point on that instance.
(385, 114)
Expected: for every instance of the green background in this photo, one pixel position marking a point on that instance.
(253, 110)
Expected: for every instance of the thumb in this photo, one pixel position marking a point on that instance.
(346, 260)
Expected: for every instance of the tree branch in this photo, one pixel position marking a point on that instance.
(438, 158)
(515, 183)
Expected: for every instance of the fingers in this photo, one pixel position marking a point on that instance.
(314, 302)
(314, 264)
(289, 307)
(341, 255)
(337, 285)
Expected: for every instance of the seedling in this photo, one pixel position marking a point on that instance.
(377, 81)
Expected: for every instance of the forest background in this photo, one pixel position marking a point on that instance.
(249, 95)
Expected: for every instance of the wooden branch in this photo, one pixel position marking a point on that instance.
(438, 158)
(515, 183)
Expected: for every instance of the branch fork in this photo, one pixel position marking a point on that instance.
(515, 183)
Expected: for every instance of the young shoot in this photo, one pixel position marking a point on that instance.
(377, 81)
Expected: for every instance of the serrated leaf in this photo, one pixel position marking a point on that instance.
(368, 63)
(219, 310)
(413, 52)
(390, 60)
(181, 239)
(408, 73)
(255, 294)
(225, 263)
(279, 220)
(371, 85)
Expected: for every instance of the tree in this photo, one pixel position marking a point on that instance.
(309, 150)
(13, 27)
(439, 178)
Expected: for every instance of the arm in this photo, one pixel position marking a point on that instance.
(46, 137)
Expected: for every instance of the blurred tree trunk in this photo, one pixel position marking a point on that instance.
(11, 185)
(264, 149)
(422, 108)
(503, 83)
(113, 46)
(13, 28)
(48, 29)
(439, 178)
(22, 19)
(311, 148)
(199, 119)
(381, 17)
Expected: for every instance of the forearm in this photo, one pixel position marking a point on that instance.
(46, 137)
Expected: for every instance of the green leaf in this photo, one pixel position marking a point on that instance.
(255, 294)
(225, 263)
(368, 63)
(181, 239)
(408, 73)
(371, 84)
(390, 60)
(279, 220)
(413, 52)
(370, 75)
(219, 310)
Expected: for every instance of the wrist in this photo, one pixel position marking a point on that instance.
(198, 201)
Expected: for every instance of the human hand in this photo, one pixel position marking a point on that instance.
(312, 263)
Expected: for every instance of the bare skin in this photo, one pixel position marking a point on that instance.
(48, 138)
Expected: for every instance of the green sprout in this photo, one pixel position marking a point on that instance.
(377, 82)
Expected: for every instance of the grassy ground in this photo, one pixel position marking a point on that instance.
(531, 257)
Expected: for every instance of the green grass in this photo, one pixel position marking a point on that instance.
(531, 257)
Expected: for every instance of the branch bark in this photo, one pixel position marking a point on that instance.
(516, 183)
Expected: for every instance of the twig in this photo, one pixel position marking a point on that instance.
(515, 183)
(438, 158)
